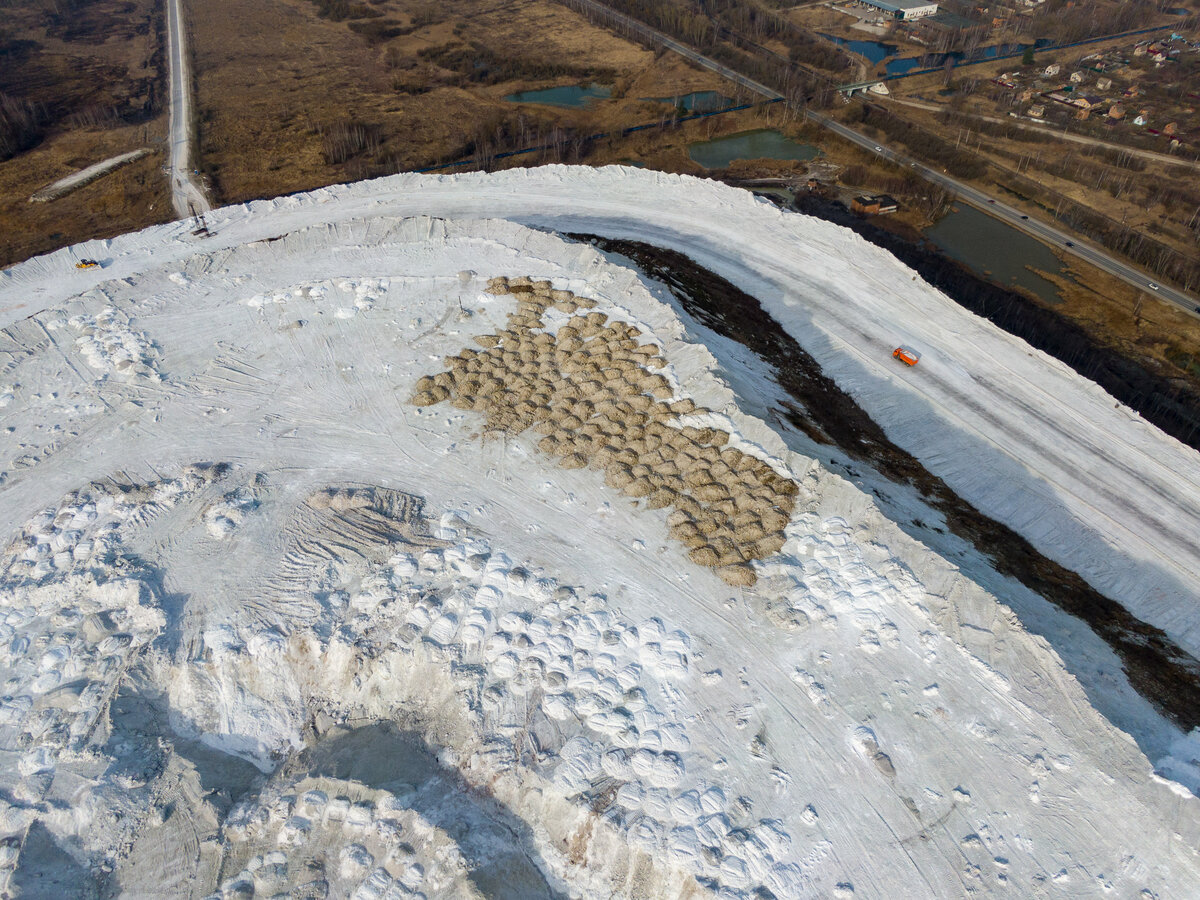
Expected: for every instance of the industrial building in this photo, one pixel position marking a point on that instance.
(903, 9)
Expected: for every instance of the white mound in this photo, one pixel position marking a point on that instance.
(1014, 432)
(270, 626)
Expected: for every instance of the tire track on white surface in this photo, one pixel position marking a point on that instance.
(1007, 400)
(1005, 425)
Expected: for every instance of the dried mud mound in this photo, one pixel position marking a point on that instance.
(591, 389)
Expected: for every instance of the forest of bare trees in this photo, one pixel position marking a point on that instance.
(21, 124)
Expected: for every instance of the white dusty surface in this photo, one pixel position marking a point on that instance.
(1011, 430)
(235, 549)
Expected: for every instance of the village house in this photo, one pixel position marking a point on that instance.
(1037, 111)
(1116, 111)
(874, 204)
(1104, 83)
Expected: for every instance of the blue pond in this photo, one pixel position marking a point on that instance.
(872, 50)
(570, 96)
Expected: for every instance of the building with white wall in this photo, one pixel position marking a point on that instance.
(904, 9)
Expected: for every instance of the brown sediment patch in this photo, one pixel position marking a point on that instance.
(1157, 667)
(590, 390)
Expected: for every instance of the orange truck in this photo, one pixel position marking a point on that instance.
(906, 356)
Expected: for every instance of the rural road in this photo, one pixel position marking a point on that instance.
(1065, 242)
(187, 195)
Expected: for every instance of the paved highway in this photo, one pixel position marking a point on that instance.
(1066, 242)
(187, 195)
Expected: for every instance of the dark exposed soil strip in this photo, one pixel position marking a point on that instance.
(1157, 668)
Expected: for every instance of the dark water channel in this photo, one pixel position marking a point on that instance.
(877, 52)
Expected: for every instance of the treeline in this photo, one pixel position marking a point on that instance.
(57, 14)
(21, 125)
(377, 30)
(476, 63)
(1131, 241)
(731, 33)
(341, 10)
(749, 21)
(921, 142)
(953, 119)
(1064, 21)
(348, 138)
(1172, 403)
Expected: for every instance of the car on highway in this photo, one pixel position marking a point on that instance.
(1153, 286)
(1024, 217)
(1069, 243)
(878, 149)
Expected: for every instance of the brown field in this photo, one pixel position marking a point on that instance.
(125, 200)
(83, 78)
(321, 102)
(1134, 322)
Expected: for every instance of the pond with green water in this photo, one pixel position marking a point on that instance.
(997, 250)
(570, 96)
(764, 143)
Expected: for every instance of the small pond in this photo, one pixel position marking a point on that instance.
(570, 96)
(763, 143)
(996, 250)
(872, 50)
